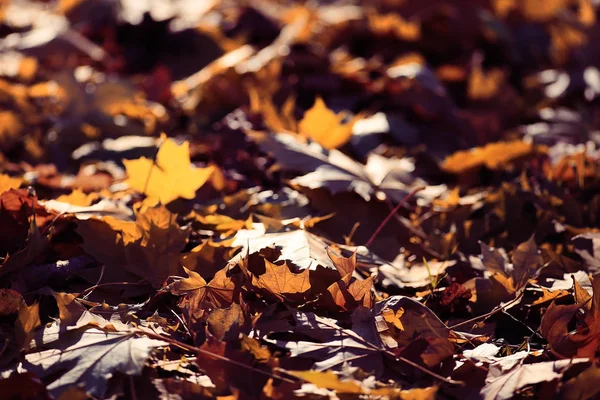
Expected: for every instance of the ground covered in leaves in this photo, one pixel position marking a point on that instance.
(272, 200)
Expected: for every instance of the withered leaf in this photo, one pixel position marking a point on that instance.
(324, 126)
(337, 172)
(149, 248)
(90, 356)
(280, 281)
(170, 176)
(219, 292)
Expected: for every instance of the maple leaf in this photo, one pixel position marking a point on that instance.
(585, 341)
(78, 198)
(300, 247)
(324, 126)
(207, 258)
(172, 175)
(526, 261)
(413, 324)
(8, 182)
(282, 282)
(219, 292)
(327, 343)
(225, 375)
(348, 292)
(148, 248)
(88, 357)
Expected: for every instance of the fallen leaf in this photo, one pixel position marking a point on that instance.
(337, 172)
(506, 385)
(493, 156)
(170, 176)
(7, 182)
(280, 281)
(329, 380)
(324, 126)
(148, 248)
(219, 292)
(28, 320)
(78, 198)
(89, 356)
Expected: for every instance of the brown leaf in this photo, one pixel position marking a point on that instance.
(225, 323)
(344, 265)
(282, 282)
(148, 248)
(219, 292)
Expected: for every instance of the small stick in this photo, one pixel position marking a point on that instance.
(391, 214)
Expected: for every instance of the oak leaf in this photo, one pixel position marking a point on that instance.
(170, 177)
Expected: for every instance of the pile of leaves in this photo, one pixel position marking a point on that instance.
(279, 199)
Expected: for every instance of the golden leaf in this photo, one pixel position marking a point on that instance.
(172, 175)
(78, 198)
(393, 317)
(69, 310)
(493, 156)
(325, 127)
(396, 25)
(548, 296)
(328, 380)
(11, 130)
(484, 85)
(28, 320)
(8, 182)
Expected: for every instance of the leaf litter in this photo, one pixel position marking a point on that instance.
(282, 199)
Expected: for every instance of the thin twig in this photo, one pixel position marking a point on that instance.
(391, 214)
(488, 314)
(394, 356)
(188, 347)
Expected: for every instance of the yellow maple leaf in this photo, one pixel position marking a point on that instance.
(172, 175)
(8, 182)
(78, 198)
(393, 317)
(325, 127)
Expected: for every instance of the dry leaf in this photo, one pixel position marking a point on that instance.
(148, 248)
(90, 357)
(282, 282)
(493, 156)
(170, 177)
(324, 126)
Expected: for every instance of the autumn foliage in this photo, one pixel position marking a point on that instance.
(384, 199)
